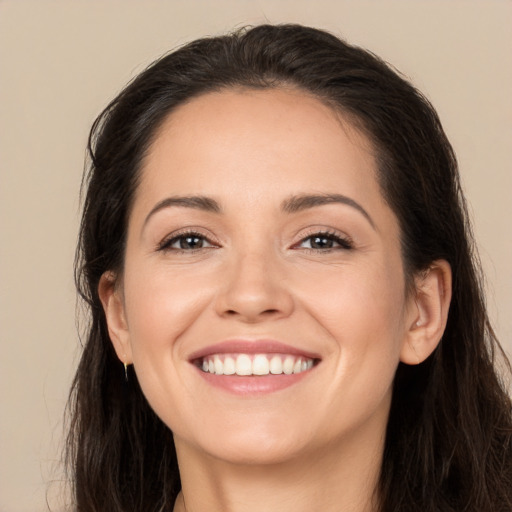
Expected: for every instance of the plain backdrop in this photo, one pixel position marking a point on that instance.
(60, 63)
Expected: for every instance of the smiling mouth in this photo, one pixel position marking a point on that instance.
(255, 364)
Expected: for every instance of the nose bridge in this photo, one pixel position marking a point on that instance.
(255, 286)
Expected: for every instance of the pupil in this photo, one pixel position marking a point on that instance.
(321, 243)
(190, 242)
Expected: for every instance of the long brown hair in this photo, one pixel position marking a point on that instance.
(449, 437)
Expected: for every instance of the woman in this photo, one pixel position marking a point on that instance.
(274, 236)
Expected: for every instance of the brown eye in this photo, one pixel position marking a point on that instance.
(185, 242)
(325, 241)
(321, 242)
(190, 242)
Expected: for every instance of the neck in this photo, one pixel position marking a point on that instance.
(339, 478)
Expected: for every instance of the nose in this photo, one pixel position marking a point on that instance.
(255, 289)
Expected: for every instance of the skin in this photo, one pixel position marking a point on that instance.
(318, 444)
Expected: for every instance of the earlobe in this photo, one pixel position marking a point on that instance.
(113, 306)
(428, 314)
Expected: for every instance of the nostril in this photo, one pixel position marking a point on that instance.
(253, 303)
(232, 312)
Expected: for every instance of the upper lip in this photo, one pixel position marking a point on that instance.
(260, 346)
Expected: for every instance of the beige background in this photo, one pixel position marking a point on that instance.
(60, 62)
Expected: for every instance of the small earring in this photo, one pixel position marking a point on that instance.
(126, 371)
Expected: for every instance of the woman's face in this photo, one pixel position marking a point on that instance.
(259, 243)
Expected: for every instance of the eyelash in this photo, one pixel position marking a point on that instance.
(166, 244)
(343, 242)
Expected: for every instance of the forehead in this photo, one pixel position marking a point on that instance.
(259, 139)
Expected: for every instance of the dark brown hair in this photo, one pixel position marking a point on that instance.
(449, 437)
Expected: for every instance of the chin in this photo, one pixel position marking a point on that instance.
(251, 452)
(247, 445)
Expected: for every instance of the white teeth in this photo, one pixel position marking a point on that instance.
(258, 364)
(243, 365)
(288, 365)
(219, 367)
(229, 366)
(276, 365)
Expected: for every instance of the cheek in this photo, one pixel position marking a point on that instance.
(362, 312)
(160, 306)
(354, 300)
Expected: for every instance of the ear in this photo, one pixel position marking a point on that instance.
(428, 312)
(112, 300)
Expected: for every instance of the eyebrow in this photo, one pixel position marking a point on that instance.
(203, 203)
(303, 202)
(293, 204)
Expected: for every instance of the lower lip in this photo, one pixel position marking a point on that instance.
(253, 384)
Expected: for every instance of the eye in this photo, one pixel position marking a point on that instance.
(185, 242)
(325, 242)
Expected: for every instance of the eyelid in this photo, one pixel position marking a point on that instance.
(165, 243)
(345, 241)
